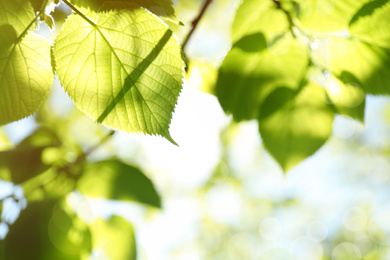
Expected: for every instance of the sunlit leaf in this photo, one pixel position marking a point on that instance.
(327, 15)
(17, 13)
(251, 16)
(116, 180)
(372, 22)
(114, 238)
(25, 71)
(367, 63)
(162, 8)
(294, 126)
(248, 75)
(125, 71)
(347, 96)
(46, 232)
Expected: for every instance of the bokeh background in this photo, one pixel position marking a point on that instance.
(224, 197)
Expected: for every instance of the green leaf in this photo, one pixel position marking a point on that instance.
(25, 77)
(124, 73)
(251, 16)
(46, 231)
(162, 8)
(248, 75)
(17, 13)
(346, 95)
(371, 23)
(367, 63)
(327, 15)
(114, 238)
(25, 70)
(25, 160)
(115, 180)
(294, 126)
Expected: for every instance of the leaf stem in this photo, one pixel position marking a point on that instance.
(195, 22)
(33, 21)
(79, 13)
(289, 17)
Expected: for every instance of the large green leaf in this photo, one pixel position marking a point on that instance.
(113, 179)
(327, 15)
(124, 71)
(45, 231)
(294, 126)
(25, 69)
(114, 238)
(251, 71)
(372, 22)
(369, 64)
(162, 8)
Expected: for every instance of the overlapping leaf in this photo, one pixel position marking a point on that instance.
(114, 238)
(46, 232)
(294, 126)
(369, 64)
(371, 24)
(327, 15)
(123, 69)
(262, 58)
(25, 69)
(162, 8)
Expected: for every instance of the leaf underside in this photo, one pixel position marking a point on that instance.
(125, 71)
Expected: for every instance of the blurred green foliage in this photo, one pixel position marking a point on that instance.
(292, 66)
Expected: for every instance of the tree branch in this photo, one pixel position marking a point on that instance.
(195, 22)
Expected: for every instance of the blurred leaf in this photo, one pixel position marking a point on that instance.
(248, 75)
(202, 76)
(347, 95)
(112, 179)
(130, 80)
(294, 126)
(45, 231)
(251, 19)
(367, 63)
(366, 235)
(327, 15)
(371, 23)
(114, 238)
(54, 183)
(162, 8)
(25, 160)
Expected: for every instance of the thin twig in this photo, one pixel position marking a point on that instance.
(289, 17)
(195, 22)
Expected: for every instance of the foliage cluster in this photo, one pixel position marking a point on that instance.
(292, 66)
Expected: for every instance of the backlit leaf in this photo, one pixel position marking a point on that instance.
(294, 126)
(372, 22)
(46, 232)
(368, 63)
(248, 75)
(116, 180)
(327, 15)
(114, 238)
(125, 71)
(346, 95)
(162, 8)
(25, 69)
